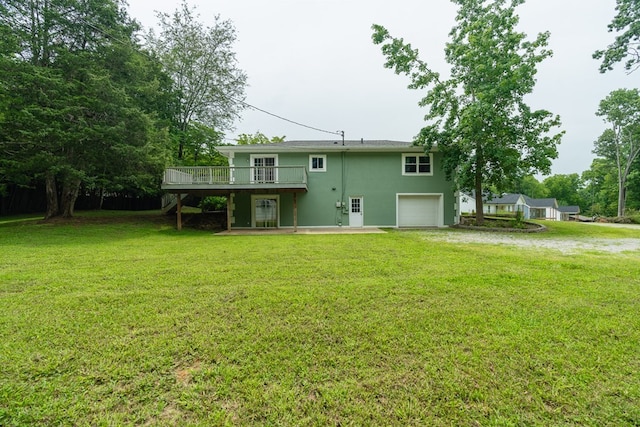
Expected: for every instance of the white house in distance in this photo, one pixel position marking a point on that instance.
(512, 203)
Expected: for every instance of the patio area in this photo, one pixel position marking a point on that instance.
(301, 230)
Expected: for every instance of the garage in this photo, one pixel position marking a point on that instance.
(420, 210)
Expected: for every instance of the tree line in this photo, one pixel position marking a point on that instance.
(91, 104)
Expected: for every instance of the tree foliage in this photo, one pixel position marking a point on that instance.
(204, 70)
(620, 143)
(529, 186)
(258, 138)
(626, 46)
(478, 117)
(600, 188)
(565, 189)
(82, 101)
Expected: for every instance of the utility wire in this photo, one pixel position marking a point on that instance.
(290, 121)
(341, 133)
(103, 32)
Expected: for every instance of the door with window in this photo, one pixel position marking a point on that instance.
(265, 212)
(264, 169)
(356, 211)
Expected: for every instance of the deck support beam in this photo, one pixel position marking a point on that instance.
(229, 211)
(295, 212)
(179, 211)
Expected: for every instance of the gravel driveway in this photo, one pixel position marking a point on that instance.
(564, 245)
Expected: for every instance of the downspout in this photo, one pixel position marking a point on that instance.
(344, 184)
(340, 209)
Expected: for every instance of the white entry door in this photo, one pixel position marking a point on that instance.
(356, 211)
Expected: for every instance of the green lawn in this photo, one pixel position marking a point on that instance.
(122, 320)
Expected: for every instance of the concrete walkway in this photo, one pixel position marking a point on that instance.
(301, 230)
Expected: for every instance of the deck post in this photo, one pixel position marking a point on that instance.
(179, 211)
(295, 212)
(229, 211)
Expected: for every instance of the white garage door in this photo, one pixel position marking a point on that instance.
(417, 210)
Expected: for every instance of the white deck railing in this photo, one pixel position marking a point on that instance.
(224, 175)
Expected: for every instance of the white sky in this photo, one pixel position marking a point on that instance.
(312, 61)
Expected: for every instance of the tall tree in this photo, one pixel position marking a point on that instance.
(72, 118)
(626, 44)
(478, 118)
(621, 142)
(600, 191)
(204, 69)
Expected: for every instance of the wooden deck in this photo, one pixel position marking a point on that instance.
(225, 180)
(212, 180)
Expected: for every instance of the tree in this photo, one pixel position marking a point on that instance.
(258, 138)
(600, 191)
(203, 67)
(478, 119)
(203, 141)
(621, 142)
(82, 100)
(531, 187)
(565, 189)
(627, 44)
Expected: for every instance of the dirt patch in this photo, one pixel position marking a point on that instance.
(185, 374)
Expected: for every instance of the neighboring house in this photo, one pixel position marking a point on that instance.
(543, 209)
(467, 202)
(511, 203)
(324, 184)
(507, 203)
(569, 213)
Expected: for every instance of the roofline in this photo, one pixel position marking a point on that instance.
(277, 148)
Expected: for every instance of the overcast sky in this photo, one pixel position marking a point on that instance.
(312, 61)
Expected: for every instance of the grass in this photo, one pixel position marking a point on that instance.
(121, 320)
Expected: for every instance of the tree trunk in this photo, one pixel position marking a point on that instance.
(621, 197)
(479, 201)
(52, 196)
(181, 141)
(101, 198)
(69, 195)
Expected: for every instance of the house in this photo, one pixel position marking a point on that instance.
(507, 203)
(543, 209)
(569, 213)
(324, 184)
(467, 202)
(510, 203)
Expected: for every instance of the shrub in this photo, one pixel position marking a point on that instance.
(213, 203)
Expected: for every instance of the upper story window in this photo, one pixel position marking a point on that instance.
(416, 164)
(317, 163)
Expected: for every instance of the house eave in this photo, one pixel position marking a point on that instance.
(226, 150)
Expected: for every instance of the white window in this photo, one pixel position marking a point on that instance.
(317, 163)
(417, 164)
